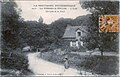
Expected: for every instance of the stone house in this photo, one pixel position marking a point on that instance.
(73, 36)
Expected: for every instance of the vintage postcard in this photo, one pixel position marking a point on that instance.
(59, 38)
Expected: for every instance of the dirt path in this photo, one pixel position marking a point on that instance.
(42, 67)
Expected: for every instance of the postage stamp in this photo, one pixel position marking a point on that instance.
(109, 23)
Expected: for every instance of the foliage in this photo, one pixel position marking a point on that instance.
(9, 60)
(39, 34)
(101, 7)
(10, 39)
(40, 20)
(103, 65)
(101, 40)
(9, 25)
(34, 33)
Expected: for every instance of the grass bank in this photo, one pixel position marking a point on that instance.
(103, 65)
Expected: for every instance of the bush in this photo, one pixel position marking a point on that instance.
(14, 60)
(103, 65)
(75, 49)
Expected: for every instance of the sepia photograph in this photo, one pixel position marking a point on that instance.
(59, 38)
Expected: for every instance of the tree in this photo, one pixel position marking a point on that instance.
(40, 20)
(10, 39)
(34, 34)
(58, 27)
(10, 25)
(101, 40)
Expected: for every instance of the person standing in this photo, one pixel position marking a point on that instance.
(66, 63)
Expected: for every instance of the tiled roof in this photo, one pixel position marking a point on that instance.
(70, 31)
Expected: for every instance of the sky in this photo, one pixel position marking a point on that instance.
(28, 13)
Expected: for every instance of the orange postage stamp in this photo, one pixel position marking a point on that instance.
(109, 23)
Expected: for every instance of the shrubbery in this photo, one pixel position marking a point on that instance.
(15, 61)
(103, 65)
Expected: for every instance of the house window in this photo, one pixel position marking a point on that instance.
(74, 44)
(81, 43)
(71, 43)
(79, 33)
(77, 44)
